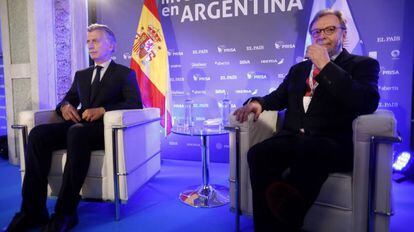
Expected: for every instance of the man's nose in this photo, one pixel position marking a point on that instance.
(322, 35)
(320, 40)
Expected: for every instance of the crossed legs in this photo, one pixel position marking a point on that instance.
(294, 167)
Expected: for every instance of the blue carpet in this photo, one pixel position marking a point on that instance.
(155, 207)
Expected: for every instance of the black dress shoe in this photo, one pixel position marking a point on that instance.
(61, 223)
(22, 222)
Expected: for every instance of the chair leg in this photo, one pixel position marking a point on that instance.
(115, 172)
(375, 140)
(236, 130)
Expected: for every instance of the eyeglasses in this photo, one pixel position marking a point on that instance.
(327, 30)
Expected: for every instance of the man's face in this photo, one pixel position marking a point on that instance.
(322, 28)
(99, 47)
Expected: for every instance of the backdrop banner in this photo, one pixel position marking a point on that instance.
(246, 47)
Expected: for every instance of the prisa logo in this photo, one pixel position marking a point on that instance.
(147, 43)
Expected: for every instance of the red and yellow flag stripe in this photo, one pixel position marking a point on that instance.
(150, 61)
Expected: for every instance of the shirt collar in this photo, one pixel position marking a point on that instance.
(334, 56)
(104, 64)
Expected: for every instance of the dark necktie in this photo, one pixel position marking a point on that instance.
(95, 83)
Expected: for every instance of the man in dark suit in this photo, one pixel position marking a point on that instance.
(103, 87)
(322, 96)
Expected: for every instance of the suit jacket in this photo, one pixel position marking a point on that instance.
(118, 90)
(348, 87)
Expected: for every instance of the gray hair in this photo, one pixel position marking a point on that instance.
(337, 13)
(108, 32)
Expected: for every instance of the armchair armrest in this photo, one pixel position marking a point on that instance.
(33, 118)
(249, 134)
(263, 128)
(372, 182)
(129, 133)
(27, 120)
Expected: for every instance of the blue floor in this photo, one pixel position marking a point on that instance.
(155, 207)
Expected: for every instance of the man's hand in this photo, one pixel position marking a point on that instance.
(318, 54)
(93, 114)
(242, 112)
(70, 113)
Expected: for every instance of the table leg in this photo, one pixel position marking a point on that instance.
(206, 195)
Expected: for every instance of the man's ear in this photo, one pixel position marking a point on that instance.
(345, 35)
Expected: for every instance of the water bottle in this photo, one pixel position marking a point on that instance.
(188, 111)
(225, 110)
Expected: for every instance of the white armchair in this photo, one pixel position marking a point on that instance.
(348, 202)
(131, 156)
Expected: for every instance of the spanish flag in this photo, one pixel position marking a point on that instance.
(150, 62)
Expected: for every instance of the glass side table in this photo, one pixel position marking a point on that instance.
(206, 195)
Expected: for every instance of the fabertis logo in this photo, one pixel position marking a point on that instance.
(283, 45)
(177, 93)
(147, 43)
(222, 63)
(224, 49)
(198, 65)
(200, 51)
(199, 92)
(388, 88)
(385, 39)
(256, 76)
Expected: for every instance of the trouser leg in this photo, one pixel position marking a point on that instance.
(267, 161)
(82, 138)
(43, 139)
(315, 158)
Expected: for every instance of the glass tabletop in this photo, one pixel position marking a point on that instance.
(198, 130)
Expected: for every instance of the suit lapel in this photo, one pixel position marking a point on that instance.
(86, 86)
(343, 57)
